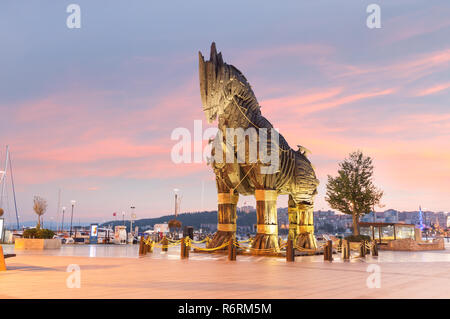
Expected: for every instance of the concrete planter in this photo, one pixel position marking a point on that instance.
(36, 244)
(412, 245)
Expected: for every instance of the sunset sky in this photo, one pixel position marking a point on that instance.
(91, 110)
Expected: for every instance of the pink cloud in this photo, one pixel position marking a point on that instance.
(308, 51)
(316, 102)
(417, 23)
(434, 89)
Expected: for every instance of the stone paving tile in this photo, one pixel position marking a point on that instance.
(212, 276)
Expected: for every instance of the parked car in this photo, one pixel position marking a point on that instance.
(68, 240)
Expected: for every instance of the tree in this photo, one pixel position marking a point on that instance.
(352, 191)
(39, 207)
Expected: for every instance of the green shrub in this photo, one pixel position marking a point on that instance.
(38, 233)
(30, 233)
(359, 238)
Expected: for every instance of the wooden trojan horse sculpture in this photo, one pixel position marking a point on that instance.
(227, 95)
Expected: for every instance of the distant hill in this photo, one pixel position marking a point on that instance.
(188, 219)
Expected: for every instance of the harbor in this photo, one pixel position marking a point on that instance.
(224, 160)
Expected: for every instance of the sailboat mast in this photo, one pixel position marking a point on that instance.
(14, 193)
(2, 192)
(58, 208)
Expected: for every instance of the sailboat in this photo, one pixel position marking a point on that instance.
(3, 185)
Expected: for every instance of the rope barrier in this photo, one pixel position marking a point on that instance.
(238, 244)
(304, 249)
(174, 241)
(208, 249)
(256, 249)
(200, 241)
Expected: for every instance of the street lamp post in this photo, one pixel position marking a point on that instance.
(62, 222)
(176, 190)
(123, 218)
(71, 217)
(133, 216)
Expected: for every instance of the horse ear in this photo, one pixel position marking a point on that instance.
(215, 58)
(219, 59)
(213, 54)
(202, 77)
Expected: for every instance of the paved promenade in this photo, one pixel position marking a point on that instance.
(403, 275)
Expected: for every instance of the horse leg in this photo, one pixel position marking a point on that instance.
(293, 219)
(305, 238)
(226, 214)
(266, 214)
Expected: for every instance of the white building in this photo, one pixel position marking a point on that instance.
(161, 228)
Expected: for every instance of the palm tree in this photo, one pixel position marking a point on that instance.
(39, 207)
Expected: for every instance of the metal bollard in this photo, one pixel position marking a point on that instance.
(290, 251)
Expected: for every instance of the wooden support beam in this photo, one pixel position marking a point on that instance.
(290, 250)
(185, 248)
(141, 246)
(328, 251)
(362, 249)
(149, 247)
(231, 250)
(374, 249)
(345, 249)
(182, 248)
(165, 242)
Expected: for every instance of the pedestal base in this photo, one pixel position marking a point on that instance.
(221, 237)
(265, 241)
(306, 241)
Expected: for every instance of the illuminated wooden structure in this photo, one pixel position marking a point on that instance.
(228, 97)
